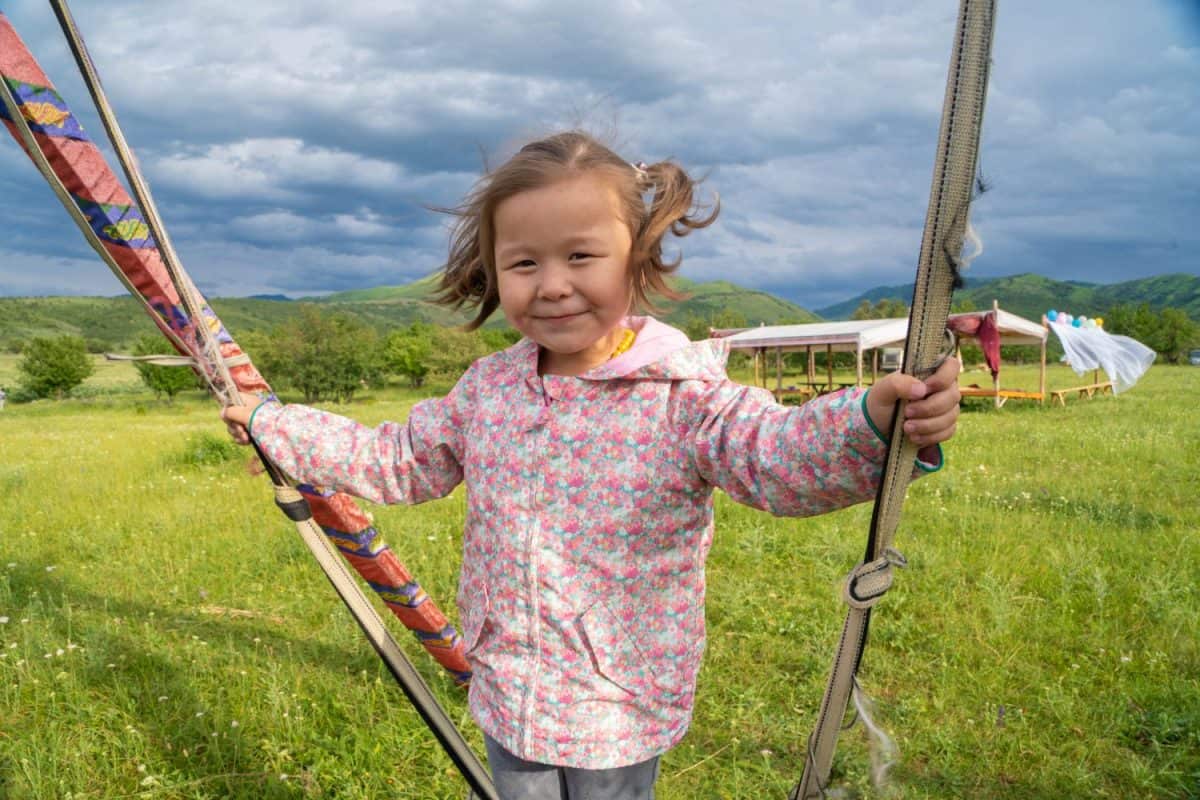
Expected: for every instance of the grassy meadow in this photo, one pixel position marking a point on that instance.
(165, 634)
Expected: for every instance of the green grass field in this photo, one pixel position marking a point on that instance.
(164, 633)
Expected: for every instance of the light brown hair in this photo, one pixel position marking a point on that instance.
(469, 275)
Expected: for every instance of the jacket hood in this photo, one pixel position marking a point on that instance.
(660, 352)
(664, 353)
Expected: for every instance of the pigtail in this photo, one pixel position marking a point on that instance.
(466, 280)
(669, 198)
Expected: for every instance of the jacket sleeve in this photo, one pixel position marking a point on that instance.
(790, 460)
(409, 462)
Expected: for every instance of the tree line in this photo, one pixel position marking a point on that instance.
(324, 355)
(320, 355)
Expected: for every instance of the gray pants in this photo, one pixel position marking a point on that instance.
(518, 779)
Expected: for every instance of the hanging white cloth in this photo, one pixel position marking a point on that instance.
(1122, 358)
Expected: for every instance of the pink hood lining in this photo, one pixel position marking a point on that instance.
(660, 352)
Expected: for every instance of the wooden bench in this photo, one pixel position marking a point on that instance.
(1060, 396)
(1002, 396)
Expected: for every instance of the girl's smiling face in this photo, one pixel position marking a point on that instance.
(562, 266)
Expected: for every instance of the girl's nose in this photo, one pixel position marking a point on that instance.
(555, 283)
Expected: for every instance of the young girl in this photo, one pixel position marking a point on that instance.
(590, 450)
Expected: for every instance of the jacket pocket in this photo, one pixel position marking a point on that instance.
(473, 605)
(620, 658)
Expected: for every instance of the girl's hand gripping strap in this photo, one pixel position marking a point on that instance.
(946, 226)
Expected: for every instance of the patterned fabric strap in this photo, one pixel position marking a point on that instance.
(117, 230)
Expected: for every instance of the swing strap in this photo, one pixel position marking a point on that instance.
(215, 363)
(946, 227)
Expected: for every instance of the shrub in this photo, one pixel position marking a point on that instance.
(168, 381)
(323, 355)
(204, 449)
(54, 366)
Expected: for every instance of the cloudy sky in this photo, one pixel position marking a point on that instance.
(294, 147)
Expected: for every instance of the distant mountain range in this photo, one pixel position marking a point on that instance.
(1032, 295)
(114, 322)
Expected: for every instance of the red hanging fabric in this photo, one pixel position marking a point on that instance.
(984, 328)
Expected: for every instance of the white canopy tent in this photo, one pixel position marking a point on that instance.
(868, 336)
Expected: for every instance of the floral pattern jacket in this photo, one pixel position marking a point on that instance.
(590, 515)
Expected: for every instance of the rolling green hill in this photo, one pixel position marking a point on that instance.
(1032, 295)
(113, 323)
(419, 290)
(705, 300)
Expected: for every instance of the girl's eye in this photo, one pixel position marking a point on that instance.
(522, 264)
(580, 256)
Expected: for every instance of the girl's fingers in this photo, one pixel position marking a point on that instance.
(931, 430)
(935, 405)
(238, 433)
(238, 417)
(945, 377)
(941, 392)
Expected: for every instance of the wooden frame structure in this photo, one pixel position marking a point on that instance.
(870, 336)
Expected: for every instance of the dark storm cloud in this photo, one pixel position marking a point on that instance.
(296, 147)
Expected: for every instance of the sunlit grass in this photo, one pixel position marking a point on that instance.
(163, 632)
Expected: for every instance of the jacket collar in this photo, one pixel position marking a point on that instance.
(660, 352)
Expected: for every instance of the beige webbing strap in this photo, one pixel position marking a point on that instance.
(954, 174)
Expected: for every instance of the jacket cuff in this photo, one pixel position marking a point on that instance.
(257, 409)
(927, 466)
(863, 404)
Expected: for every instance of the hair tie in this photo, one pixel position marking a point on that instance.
(640, 169)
